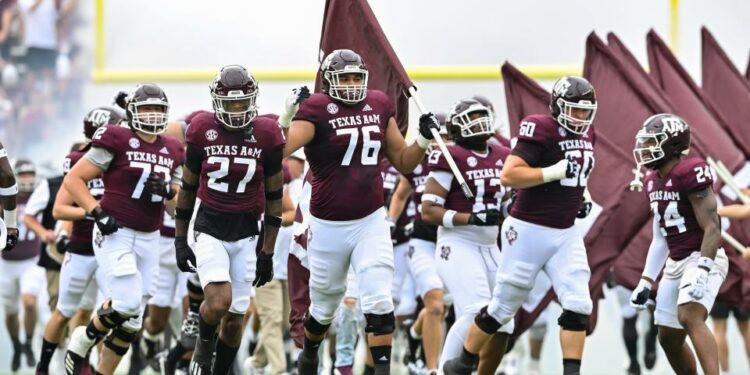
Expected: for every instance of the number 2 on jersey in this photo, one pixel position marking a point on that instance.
(370, 148)
(223, 170)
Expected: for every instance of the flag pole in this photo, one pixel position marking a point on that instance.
(439, 140)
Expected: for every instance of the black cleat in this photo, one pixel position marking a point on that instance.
(74, 363)
(203, 358)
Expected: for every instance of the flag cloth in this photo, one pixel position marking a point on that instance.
(351, 24)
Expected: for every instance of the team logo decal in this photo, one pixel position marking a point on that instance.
(332, 108)
(499, 163)
(511, 235)
(445, 252)
(211, 135)
(410, 253)
(134, 143)
(562, 131)
(98, 239)
(471, 161)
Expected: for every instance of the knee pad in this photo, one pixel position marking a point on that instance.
(486, 322)
(121, 334)
(380, 324)
(573, 321)
(315, 327)
(110, 318)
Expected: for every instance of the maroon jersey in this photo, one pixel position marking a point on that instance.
(232, 176)
(345, 154)
(418, 179)
(542, 142)
(671, 207)
(29, 244)
(125, 196)
(80, 236)
(481, 172)
(167, 226)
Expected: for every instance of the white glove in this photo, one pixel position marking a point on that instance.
(556, 171)
(639, 298)
(697, 280)
(291, 105)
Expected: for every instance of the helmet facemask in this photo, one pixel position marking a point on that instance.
(471, 126)
(147, 117)
(648, 149)
(237, 109)
(576, 117)
(346, 92)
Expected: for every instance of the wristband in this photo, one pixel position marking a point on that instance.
(448, 218)
(9, 191)
(274, 195)
(423, 142)
(706, 263)
(183, 213)
(10, 218)
(645, 282)
(272, 221)
(189, 187)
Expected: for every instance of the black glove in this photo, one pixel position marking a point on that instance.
(121, 99)
(263, 269)
(185, 256)
(106, 224)
(426, 122)
(573, 168)
(63, 241)
(156, 185)
(641, 297)
(486, 218)
(584, 210)
(12, 239)
(302, 94)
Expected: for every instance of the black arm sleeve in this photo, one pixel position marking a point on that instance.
(193, 159)
(272, 162)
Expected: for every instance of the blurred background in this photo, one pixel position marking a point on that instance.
(60, 58)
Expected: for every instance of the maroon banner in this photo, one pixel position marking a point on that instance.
(351, 24)
(727, 89)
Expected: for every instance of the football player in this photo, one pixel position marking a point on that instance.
(549, 166)
(8, 192)
(233, 165)
(21, 276)
(141, 169)
(78, 286)
(346, 130)
(421, 262)
(686, 236)
(468, 230)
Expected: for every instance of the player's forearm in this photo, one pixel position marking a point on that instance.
(409, 158)
(8, 189)
(171, 204)
(522, 177)
(436, 215)
(79, 191)
(273, 221)
(735, 211)
(288, 210)
(398, 202)
(183, 212)
(68, 212)
(711, 239)
(33, 224)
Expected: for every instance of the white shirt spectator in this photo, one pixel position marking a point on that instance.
(41, 23)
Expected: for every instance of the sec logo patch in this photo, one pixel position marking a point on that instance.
(134, 143)
(211, 135)
(471, 161)
(332, 108)
(562, 131)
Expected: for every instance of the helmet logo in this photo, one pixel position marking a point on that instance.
(212, 134)
(673, 126)
(561, 86)
(99, 117)
(332, 108)
(134, 143)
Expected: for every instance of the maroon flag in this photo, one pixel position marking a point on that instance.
(710, 139)
(351, 24)
(727, 89)
(747, 70)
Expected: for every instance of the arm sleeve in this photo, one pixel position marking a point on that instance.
(657, 253)
(272, 162)
(100, 157)
(193, 158)
(445, 179)
(38, 199)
